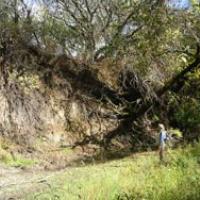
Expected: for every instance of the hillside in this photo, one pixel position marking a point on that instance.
(83, 82)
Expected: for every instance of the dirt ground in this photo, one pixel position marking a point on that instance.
(16, 183)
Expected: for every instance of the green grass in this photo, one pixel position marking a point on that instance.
(139, 177)
(19, 161)
(16, 160)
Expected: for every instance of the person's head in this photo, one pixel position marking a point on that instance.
(161, 127)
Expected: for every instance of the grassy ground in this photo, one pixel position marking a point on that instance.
(43, 154)
(15, 159)
(139, 177)
(18, 161)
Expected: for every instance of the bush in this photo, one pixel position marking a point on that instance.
(184, 113)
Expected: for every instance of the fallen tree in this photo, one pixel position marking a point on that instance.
(125, 126)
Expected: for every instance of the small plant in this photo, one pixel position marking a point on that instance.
(17, 161)
(176, 133)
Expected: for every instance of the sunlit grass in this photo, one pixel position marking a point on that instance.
(17, 161)
(137, 177)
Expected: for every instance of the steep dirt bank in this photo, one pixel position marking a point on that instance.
(33, 110)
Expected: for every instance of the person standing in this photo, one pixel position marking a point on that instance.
(162, 141)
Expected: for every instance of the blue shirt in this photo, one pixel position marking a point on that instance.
(162, 137)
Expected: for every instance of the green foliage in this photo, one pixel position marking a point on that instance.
(185, 106)
(188, 113)
(176, 132)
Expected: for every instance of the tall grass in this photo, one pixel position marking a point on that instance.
(139, 177)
